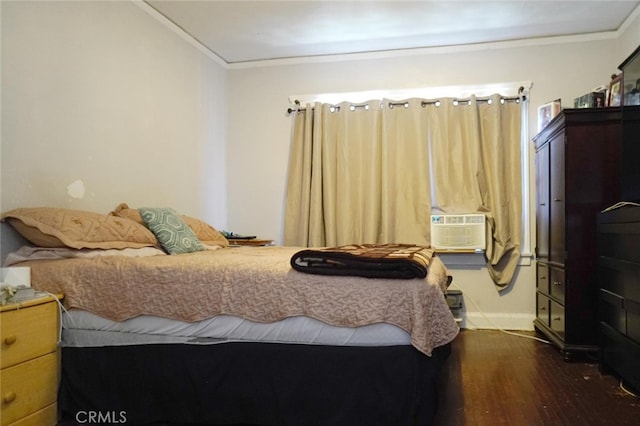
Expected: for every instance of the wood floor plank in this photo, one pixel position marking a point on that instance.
(493, 378)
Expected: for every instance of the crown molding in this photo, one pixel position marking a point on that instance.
(172, 26)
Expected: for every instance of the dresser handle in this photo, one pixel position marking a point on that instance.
(9, 397)
(557, 319)
(557, 199)
(557, 283)
(10, 340)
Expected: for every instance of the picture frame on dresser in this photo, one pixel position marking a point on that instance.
(615, 91)
(547, 111)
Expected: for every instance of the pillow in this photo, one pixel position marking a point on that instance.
(58, 227)
(206, 233)
(174, 234)
(124, 211)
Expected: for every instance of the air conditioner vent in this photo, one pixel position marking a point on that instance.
(458, 232)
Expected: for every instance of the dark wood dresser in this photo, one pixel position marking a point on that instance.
(619, 292)
(577, 174)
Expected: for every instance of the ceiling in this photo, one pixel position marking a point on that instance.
(247, 31)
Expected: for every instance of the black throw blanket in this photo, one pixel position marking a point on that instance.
(366, 260)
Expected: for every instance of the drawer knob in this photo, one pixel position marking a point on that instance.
(10, 340)
(9, 397)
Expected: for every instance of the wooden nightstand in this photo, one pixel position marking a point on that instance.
(29, 362)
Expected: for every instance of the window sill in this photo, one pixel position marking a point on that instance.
(471, 258)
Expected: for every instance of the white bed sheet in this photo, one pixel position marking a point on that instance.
(82, 329)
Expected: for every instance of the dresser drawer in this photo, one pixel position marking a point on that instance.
(620, 241)
(28, 333)
(611, 310)
(28, 387)
(620, 277)
(542, 278)
(633, 319)
(543, 308)
(557, 284)
(557, 319)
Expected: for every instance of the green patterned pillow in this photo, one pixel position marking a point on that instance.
(172, 232)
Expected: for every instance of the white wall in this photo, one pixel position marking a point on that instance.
(630, 37)
(102, 94)
(259, 128)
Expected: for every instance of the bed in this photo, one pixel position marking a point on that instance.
(226, 335)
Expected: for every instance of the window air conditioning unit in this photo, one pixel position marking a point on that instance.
(458, 232)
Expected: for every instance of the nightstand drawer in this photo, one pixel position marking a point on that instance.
(48, 416)
(28, 332)
(28, 387)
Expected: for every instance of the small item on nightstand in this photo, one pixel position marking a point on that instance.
(233, 236)
(23, 293)
(10, 294)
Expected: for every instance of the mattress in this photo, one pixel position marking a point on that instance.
(85, 329)
(254, 283)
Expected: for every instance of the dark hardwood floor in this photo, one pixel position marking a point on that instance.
(493, 378)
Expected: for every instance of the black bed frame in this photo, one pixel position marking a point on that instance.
(250, 383)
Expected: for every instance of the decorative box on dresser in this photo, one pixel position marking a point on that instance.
(29, 362)
(619, 292)
(577, 171)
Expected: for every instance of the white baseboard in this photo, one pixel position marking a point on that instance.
(504, 321)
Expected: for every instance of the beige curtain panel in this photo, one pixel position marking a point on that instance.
(373, 173)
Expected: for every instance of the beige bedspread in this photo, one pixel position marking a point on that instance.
(256, 283)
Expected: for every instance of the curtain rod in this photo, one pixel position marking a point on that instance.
(405, 104)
